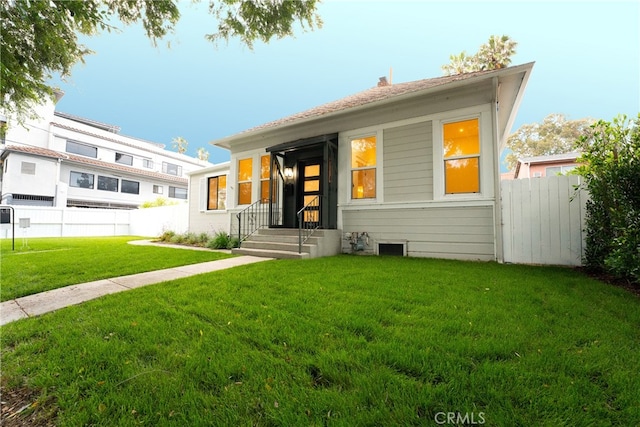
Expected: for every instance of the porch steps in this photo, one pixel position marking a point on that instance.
(283, 243)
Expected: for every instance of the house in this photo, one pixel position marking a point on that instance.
(541, 166)
(409, 168)
(62, 160)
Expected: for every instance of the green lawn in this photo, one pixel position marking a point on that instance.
(50, 263)
(345, 341)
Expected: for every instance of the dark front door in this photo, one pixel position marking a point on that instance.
(305, 172)
(310, 193)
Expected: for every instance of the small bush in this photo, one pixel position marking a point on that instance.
(203, 238)
(177, 238)
(166, 236)
(219, 241)
(234, 242)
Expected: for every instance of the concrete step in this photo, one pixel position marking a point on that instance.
(277, 246)
(282, 239)
(289, 232)
(270, 253)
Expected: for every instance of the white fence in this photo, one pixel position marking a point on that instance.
(543, 220)
(71, 222)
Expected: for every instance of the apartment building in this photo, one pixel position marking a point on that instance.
(62, 160)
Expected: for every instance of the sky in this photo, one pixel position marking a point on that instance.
(586, 54)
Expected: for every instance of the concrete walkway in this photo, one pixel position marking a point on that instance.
(34, 305)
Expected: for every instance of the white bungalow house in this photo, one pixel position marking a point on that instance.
(60, 160)
(409, 168)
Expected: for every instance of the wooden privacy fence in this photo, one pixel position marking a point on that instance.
(543, 220)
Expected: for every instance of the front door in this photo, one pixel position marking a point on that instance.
(310, 195)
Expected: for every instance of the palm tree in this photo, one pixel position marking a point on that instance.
(179, 144)
(496, 53)
(203, 154)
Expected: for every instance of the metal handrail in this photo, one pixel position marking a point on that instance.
(306, 228)
(252, 218)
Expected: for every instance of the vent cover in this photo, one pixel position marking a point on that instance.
(397, 249)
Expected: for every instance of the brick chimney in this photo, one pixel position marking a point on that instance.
(383, 82)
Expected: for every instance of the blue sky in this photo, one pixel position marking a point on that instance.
(587, 58)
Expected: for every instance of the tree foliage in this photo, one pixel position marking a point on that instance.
(554, 135)
(203, 154)
(611, 168)
(179, 144)
(40, 38)
(494, 54)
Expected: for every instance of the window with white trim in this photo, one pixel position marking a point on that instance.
(217, 193)
(461, 156)
(363, 167)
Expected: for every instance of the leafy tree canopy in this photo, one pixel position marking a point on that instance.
(554, 135)
(495, 53)
(40, 37)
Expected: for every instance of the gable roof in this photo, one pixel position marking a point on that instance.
(377, 96)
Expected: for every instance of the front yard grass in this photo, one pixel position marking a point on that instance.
(50, 263)
(346, 341)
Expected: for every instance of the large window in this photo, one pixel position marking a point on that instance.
(171, 169)
(107, 183)
(363, 168)
(82, 149)
(125, 159)
(217, 196)
(245, 169)
(178, 192)
(265, 171)
(131, 187)
(81, 179)
(461, 153)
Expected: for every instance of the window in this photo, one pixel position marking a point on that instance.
(28, 168)
(245, 169)
(558, 170)
(81, 180)
(461, 153)
(217, 196)
(107, 183)
(363, 168)
(125, 159)
(82, 149)
(147, 163)
(131, 187)
(265, 172)
(178, 193)
(171, 169)
(157, 189)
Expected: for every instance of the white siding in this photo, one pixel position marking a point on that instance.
(464, 232)
(408, 163)
(543, 219)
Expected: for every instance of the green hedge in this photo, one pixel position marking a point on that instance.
(611, 168)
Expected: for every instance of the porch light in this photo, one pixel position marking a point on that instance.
(288, 173)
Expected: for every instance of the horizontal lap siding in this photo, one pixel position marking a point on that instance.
(408, 163)
(439, 232)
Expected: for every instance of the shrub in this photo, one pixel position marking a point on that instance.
(166, 236)
(611, 168)
(219, 241)
(177, 238)
(203, 238)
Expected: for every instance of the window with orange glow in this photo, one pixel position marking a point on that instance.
(461, 152)
(363, 168)
(265, 171)
(245, 171)
(217, 198)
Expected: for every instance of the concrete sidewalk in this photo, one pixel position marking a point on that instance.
(34, 305)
